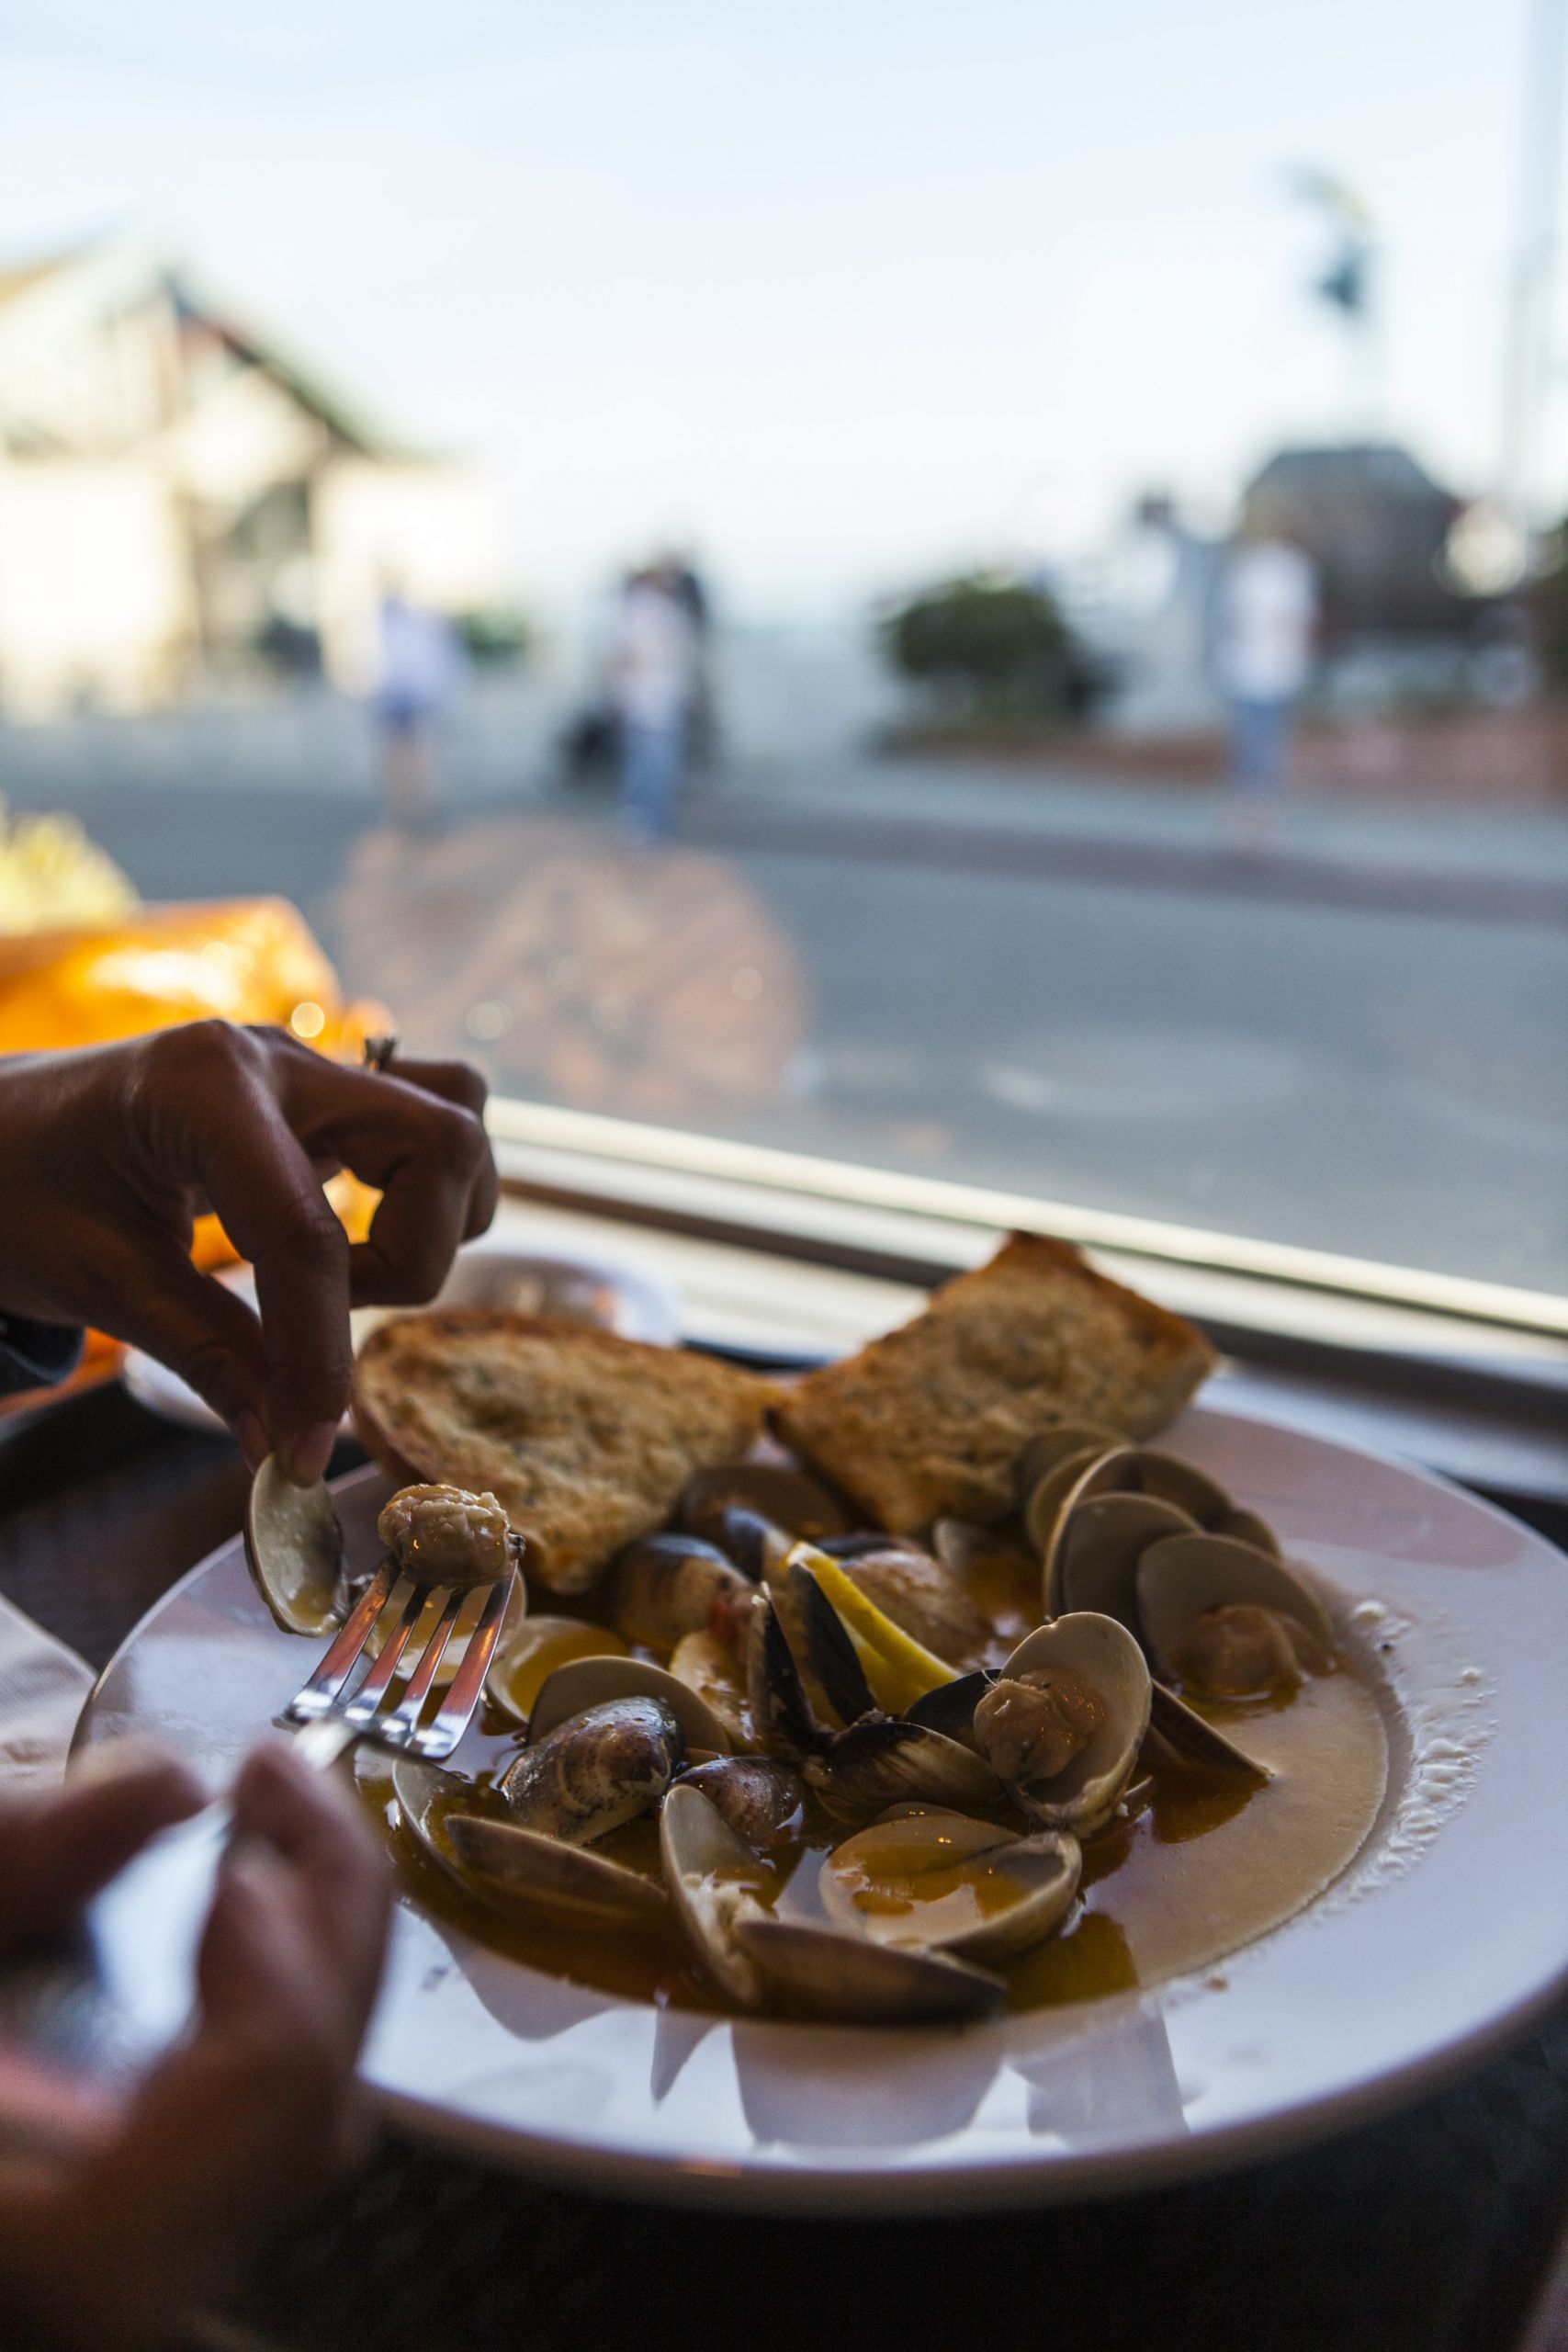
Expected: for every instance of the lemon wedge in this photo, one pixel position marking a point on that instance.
(898, 1669)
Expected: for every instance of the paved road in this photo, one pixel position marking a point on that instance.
(1157, 1036)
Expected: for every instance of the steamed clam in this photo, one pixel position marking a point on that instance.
(713, 1878)
(1065, 1719)
(921, 1595)
(508, 1867)
(1223, 1619)
(594, 1771)
(816, 1972)
(665, 1587)
(759, 1798)
(928, 1880)
(860, 1815)
(883, 1760)
(589, 1682)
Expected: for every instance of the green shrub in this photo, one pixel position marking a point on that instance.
(988, 645)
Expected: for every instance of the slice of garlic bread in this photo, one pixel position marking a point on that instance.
(584, 1439)
(932, 1418)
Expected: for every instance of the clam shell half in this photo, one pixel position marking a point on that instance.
(1180, 1576)
(510, 1869)
(711, 1874)
(820, 1973)
(584, 1682)
(1101, 1653)
(931, 1880)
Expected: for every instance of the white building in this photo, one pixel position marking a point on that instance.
(178, 497)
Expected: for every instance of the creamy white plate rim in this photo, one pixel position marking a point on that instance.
(1447, 1934)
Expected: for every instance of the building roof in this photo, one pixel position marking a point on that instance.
(132, 270)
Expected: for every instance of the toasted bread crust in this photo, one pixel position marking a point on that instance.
(584, 1439)
(932, 1418)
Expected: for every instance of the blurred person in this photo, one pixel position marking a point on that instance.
(653, 656)
(419, 669)
(692, 591)
(1267, 629)
(121, 2208)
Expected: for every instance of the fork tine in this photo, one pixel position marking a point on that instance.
(344, 1656)
(450, 1721)
(393, 1730)
(403, 1610)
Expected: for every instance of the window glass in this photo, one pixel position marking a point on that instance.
(979, 591)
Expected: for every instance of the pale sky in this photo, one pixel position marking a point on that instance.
(842, 292)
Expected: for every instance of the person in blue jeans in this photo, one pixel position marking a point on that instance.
(653, 659)
(1267, 629)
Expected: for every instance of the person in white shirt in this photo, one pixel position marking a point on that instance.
(653, 661)
(1265, 638)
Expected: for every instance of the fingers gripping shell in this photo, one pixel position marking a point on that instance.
(294, 1548)
(1098, 1655)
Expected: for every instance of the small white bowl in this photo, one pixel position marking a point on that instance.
(607, 1290)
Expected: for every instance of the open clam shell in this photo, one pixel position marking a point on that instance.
(784, 1721)
(1099, 1653)
(531, 1648)
(1194, 1740)
(1181, 1576)
(664, 1586)
(1053, 1444)
(759, 1797)
(817, 1972)
(929, 1881)
(789, 1499)
(1048, 1498)
(294, 1549)
(712, 1876)
(586, 1682)
(603, 1767)
(512, 1868)
(1173, 1480)
(886, 1760)
(1099, 1538)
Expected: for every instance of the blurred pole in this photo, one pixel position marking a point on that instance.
(1528, 358)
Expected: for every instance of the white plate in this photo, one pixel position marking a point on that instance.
(624, 1298)
(1447, 1934)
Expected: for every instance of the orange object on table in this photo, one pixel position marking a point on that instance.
(237, 959)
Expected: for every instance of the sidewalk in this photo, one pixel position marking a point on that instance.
(1507, 864)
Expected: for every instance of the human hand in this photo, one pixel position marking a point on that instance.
(107, 1155)
(119, 2212)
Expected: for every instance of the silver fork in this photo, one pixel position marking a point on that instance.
(416, 1618)
(145, 1928)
